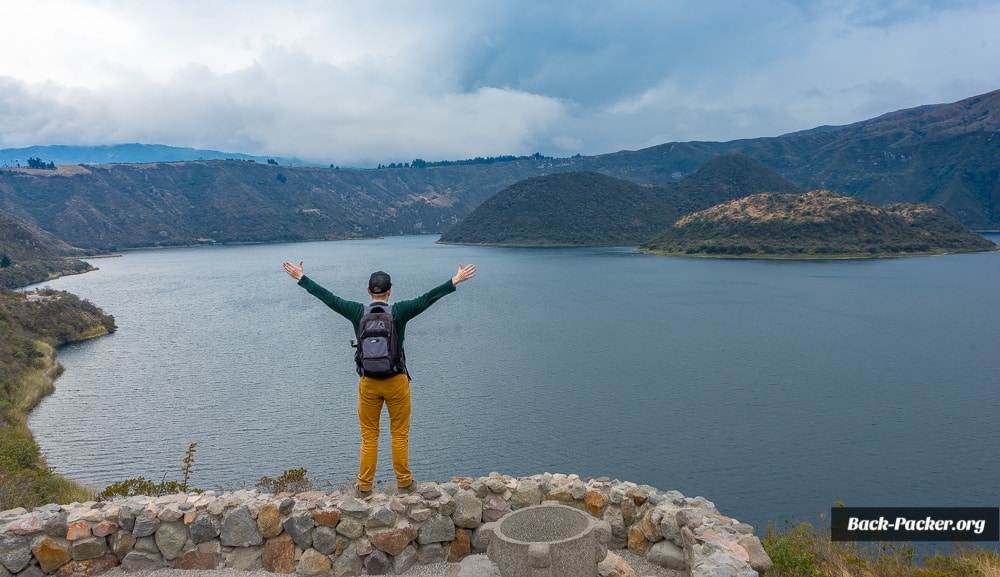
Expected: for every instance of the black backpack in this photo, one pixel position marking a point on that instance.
(377, 352)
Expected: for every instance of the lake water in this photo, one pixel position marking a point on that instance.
(773, 388)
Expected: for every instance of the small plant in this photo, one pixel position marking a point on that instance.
(291, 481)
(188, 467)
(144, 486)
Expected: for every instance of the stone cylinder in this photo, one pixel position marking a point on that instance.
(548, 540)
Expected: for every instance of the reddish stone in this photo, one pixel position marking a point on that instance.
(104, 528)
(615, 566)
(88, 568)
(78, 530)
(393, 541)
(326, 518)
(279, 554)
(461, 547)
(51, 554)
(596, 502)
(206, 556)
(269, 521)
(650, 525)
(637, 542)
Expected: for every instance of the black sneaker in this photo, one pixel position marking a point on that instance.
(409, 489)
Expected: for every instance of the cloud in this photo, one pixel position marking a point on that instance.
(362, 83)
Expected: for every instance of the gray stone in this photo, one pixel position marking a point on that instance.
(203, 556)
(666, 554)
(146, 545)
(146, 523)
(446, 505)
(673, 519)
(137, 561)
(15, 552)
(239, 529)
(381, 518)
(355, 508)
(619, 534)
(479, 488)
(527, 494)
(377, 563)
(205, 528)
(496, 485)
(350, 527)
(245, 558)
(170, 538)
(170, 513)
(324, 540)
(126, 517)
(121, 542)
(437, 529)
(468, 512)
(348, 563)
(313, 564)
(432, 553)
(429, 492)
(760, 561)
(32, 571)
(89, 548)
(300, 526)
(56, 524)
(494, 507)
(477, 543)
(404, 561)
(449, 488)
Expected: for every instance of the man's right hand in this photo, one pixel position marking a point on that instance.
(293, 271)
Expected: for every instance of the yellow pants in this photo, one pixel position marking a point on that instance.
(394, 393)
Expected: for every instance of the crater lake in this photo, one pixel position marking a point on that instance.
(774, 388)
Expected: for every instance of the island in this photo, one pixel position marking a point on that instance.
(816, 224)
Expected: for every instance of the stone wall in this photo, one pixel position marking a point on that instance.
(335, 534)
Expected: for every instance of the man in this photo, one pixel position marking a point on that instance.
(393, 392)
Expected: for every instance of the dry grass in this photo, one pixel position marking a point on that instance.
(802, 551)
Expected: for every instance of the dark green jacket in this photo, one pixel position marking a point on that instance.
(402, 311)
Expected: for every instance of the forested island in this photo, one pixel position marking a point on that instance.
(817, 224)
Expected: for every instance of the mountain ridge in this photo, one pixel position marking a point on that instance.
(947, 154)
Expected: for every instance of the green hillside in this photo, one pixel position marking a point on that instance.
(817, 224)
(29, 256)
(591, 209)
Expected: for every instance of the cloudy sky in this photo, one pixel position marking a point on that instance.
(362, 82)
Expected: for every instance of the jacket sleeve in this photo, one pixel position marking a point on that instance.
(350, 310)
(406, 310)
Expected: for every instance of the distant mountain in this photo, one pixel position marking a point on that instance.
(29, 256)
(947, 154)
(125, 153)
(587, 208)
(817, 224)
(944, 154)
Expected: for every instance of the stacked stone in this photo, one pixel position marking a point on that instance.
(334, 534)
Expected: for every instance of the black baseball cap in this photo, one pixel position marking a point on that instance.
(379, 282)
